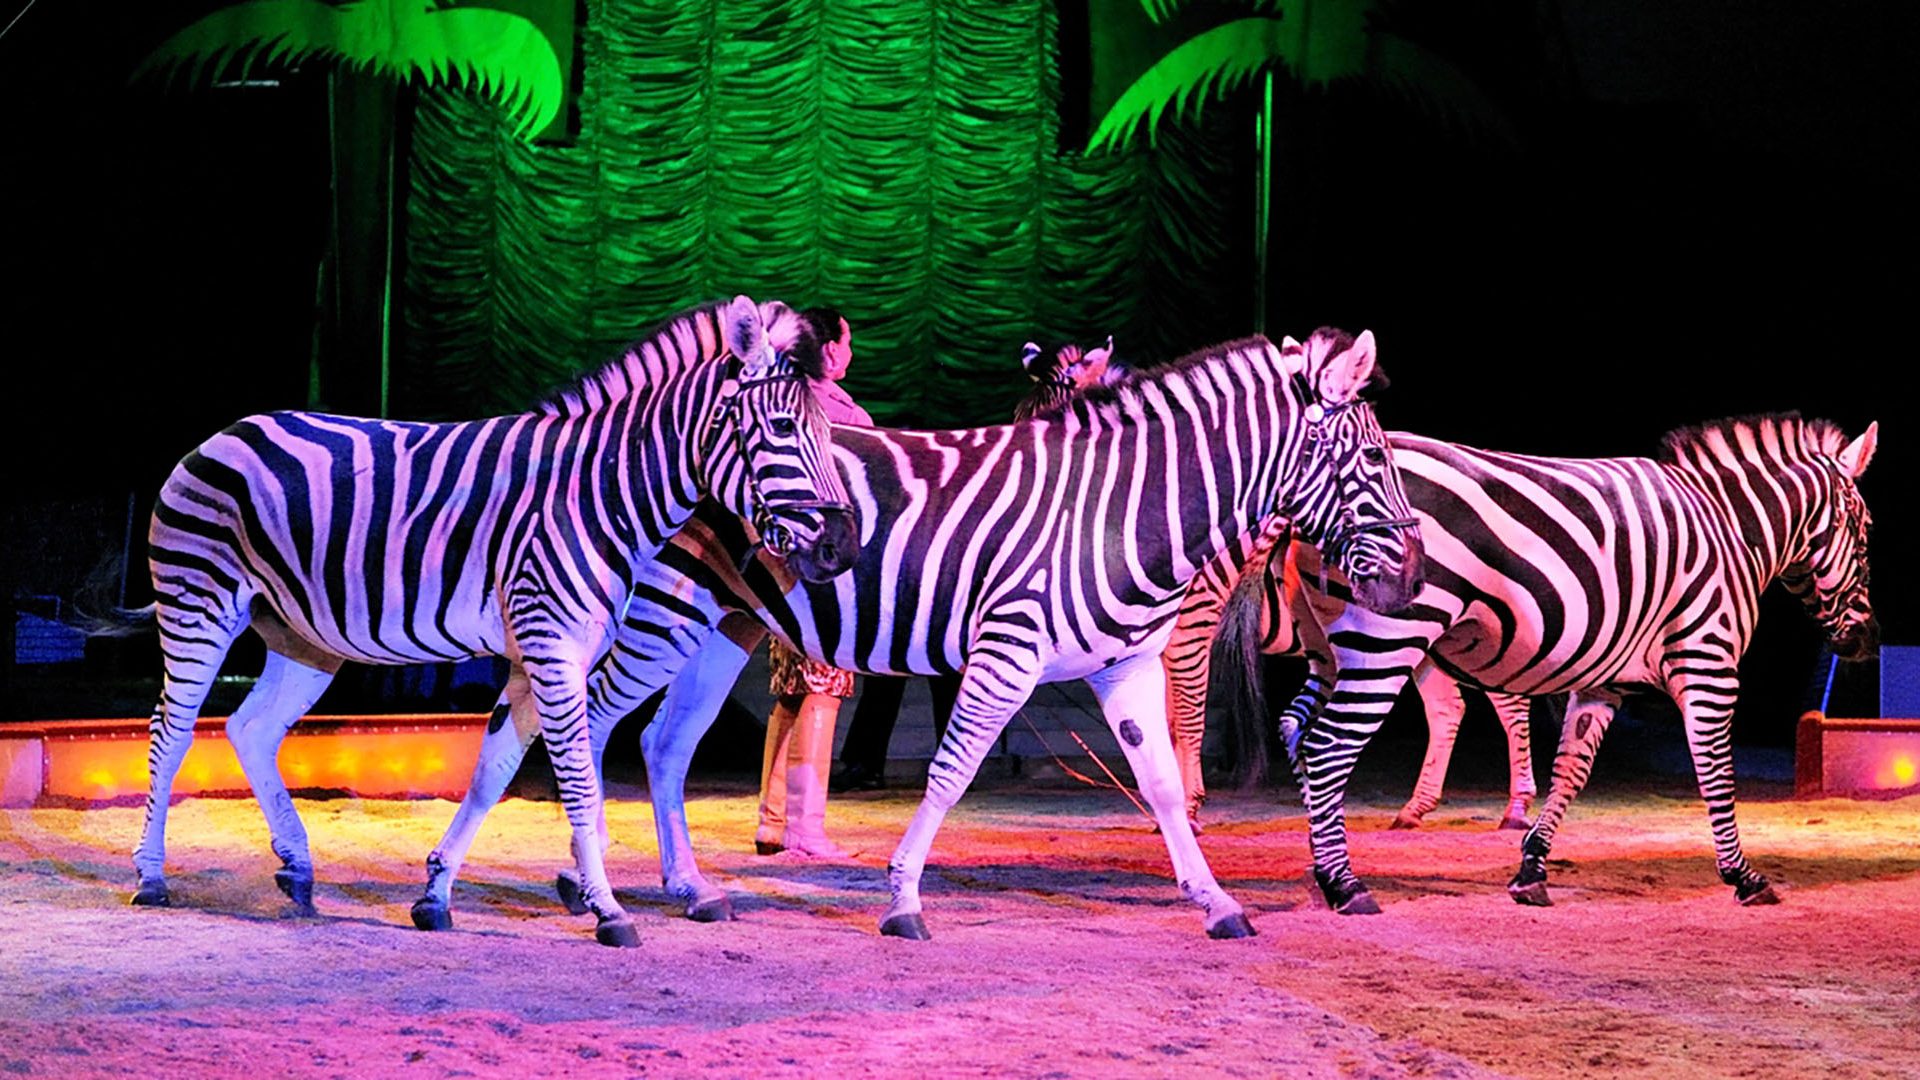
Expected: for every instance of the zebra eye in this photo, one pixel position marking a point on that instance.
(1373, 455)
(784, 426)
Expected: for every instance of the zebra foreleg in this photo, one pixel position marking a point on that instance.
(1580, 735)
(1328, 751)
(1302, 709)
(1133, 696)
(1445, 707)
(1707, 707)
(285, 691)
(996, 682)
(692, 703)
(559, 692)
(1515, 715)
(511, 729)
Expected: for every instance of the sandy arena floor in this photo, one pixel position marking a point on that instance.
(1059, 948)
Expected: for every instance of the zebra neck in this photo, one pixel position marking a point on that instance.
(1224, 464)
(640, 469)
(1770, 509)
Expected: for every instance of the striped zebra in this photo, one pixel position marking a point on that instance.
(1034, 552)
(1548, 575)
(1289, 626)
(336, 538)
(1297, 601)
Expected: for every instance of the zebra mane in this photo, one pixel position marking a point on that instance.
(1133, 377)
(1810, 437)
(675, 339)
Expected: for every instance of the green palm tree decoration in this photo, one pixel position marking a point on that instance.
(1319, 42)
(498, 52)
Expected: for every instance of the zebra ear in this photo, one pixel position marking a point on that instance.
(1293, 356)
(1348, 372)
(1087, 368)
(1101, 355)
(1028, 354)
(746, 337)
(1859, 452)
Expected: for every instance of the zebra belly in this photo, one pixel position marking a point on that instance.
(1466, 653)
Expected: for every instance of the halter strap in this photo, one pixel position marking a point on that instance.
(773, 535)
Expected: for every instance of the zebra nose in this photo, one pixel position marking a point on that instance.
(1859, 641)
(834, 550)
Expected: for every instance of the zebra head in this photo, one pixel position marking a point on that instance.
(769, 444)
(1348, 500)
(1064, 373)
(1831, 577)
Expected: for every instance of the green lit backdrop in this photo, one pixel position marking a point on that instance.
(900, 159)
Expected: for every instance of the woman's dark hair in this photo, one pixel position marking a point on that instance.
(825, 323)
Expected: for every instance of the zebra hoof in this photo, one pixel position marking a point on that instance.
(1360, 903)
(1764, 896)
(431, 914)
(910, 926)
(566, 885)
(298, 887)
(1531, 894)
(717, 909)
(1347, 897)
(1233, 926)
(618, 932)
(152, 893)
(1516, 824)
(1404, 820)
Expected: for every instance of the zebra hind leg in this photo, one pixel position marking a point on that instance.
(1514, 713)
(285, 691)
(1445, 707)
(693, 702)
(197, 627)
(1580, 735)
(1132, 694)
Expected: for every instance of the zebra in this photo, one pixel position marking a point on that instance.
(1039, 551)
(1602, 576)
(1297, 600)
(1289, 627)
(339, 538)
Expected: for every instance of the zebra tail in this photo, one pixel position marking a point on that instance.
(96, 610)
(114, 622)
(1238, 660)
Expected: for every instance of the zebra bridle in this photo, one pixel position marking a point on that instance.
(1342, 533)
(777, 538)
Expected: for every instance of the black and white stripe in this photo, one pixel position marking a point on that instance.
(1601, 576)
(1056, 548)
(339, 538)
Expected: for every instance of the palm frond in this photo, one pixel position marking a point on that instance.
(237, 41)
(1208, 66)
(1160, 10)
(1435, 86)
(504, 54)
